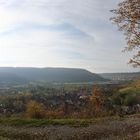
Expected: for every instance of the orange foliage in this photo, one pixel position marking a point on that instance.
(138, 84)
(97, 97)
(127, 18)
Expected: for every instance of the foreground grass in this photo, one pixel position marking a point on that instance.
(109, 128)
(41, 122)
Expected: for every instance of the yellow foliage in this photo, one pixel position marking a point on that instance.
(35, 109)
(138, 84)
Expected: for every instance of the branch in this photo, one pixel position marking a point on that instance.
(135, 62)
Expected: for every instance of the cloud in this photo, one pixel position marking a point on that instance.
(64, 33)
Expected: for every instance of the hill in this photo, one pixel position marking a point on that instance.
(121, 76)
(24, 75)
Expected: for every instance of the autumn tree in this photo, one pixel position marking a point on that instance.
(35, 109)
(127, 17)
(97, 98)
(138, 83)
(96, 102)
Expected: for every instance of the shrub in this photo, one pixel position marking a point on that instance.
(35, 109)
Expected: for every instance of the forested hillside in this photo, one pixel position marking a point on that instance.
(23, 75)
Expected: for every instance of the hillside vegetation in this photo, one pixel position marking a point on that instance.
(70, 111)
(60, 75)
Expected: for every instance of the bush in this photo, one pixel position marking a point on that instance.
(35, 109)
(132, 100)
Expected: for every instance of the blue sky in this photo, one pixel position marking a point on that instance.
(61, 33)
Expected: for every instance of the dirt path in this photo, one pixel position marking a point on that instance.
(111, 130)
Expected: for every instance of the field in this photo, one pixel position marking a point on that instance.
(114, 128)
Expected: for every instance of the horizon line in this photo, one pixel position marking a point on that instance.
(43, 67)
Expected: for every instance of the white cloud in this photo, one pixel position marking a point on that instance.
(66, 33)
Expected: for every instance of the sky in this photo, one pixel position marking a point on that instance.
(61, 33)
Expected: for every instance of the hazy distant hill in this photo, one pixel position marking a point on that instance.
(121, 76)
(23, 75)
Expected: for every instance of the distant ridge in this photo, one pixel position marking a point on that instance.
(121, 76)
(25, 74)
